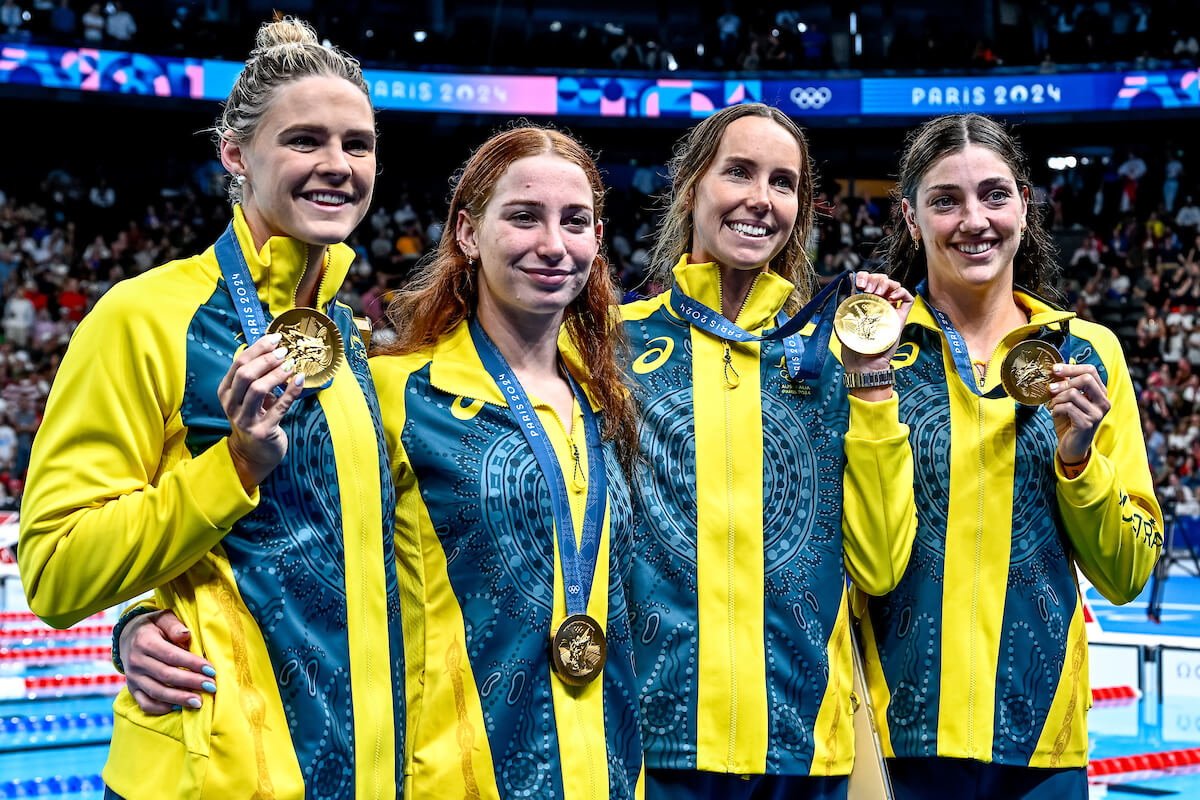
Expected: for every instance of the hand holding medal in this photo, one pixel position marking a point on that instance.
(247, 392)
(1078, 402)
(869, 322)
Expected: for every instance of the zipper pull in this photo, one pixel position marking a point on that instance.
(577, 476)
(736, 379)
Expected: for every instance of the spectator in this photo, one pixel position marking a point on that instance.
(1132, 170)
(120, 26)
(1172, 172)
(8, 443)
(12, 17)
(1187, 218)
(728, 30)
(62, 20)
(19, 315)
(627, 55)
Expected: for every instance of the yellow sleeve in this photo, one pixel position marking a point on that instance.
(1109, 510)
(113, 507)
(879, 512)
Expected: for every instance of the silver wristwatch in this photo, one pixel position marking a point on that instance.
(869, 380)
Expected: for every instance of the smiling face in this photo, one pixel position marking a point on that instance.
(744, 206)
(310, 165)
(968, 216)
(536, 239)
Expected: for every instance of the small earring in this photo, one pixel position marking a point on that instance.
(240, 180)
(917, 244)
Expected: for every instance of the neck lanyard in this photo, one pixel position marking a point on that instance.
(240, 284)
(962, 358)
(802, 361)
(578, 562)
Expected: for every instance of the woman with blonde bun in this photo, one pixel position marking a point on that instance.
(214, 435)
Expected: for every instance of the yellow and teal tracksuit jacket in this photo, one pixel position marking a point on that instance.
(290, 591)
(482, 588)
(739, 604)
(980, 652)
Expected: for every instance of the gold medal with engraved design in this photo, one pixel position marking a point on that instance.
(866, 324)
(1028, 370)
(313, 342)
(578, 650)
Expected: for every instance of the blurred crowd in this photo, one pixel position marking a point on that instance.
(1128, 227)
(666, 37)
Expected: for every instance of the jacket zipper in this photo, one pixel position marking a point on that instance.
(587, 740)
(320, 283)
(732, 379)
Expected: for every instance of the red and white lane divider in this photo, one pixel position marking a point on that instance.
(1115, 695)
(14, 688)
(29, 617)
(54, 655)
(35, 634)
(1147, 762)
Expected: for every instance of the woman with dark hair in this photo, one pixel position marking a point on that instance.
(239, 470)
(978, 658)
(510, 434)
(741, 627)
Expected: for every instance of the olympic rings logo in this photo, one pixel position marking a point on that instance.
(811, 96)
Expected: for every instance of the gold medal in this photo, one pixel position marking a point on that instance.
(313, 342)
(578, 650)
(1028, 370)
(866, 324)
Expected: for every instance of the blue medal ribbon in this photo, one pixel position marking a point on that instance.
(802, 361)
(240, 284)
(958, 347)
(578, 562)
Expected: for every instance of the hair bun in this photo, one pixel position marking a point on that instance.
(285, 31)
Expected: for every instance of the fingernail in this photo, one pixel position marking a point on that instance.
(177, 708)
(1058, 369)
(288, 366)
(209, 687)
(273, 338)
(280, 353)
(299, 379)
(182, 632)
(194, 702)
(209, 671)
(1054, 387)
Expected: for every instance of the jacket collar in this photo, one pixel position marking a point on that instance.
(1039, 311)
(278, 267)
(456, 368)
(702, 282)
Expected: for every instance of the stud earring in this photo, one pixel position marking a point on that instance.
(240, 180)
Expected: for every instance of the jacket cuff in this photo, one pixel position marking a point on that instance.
(875, 421)
(1089, 487)
(127, 616)
(215, 489)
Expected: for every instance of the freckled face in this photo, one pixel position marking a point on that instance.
(537, 237)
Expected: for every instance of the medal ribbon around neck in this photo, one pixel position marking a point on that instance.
(958, 347)
(578, 562)
(240, 284)
(802, 361)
